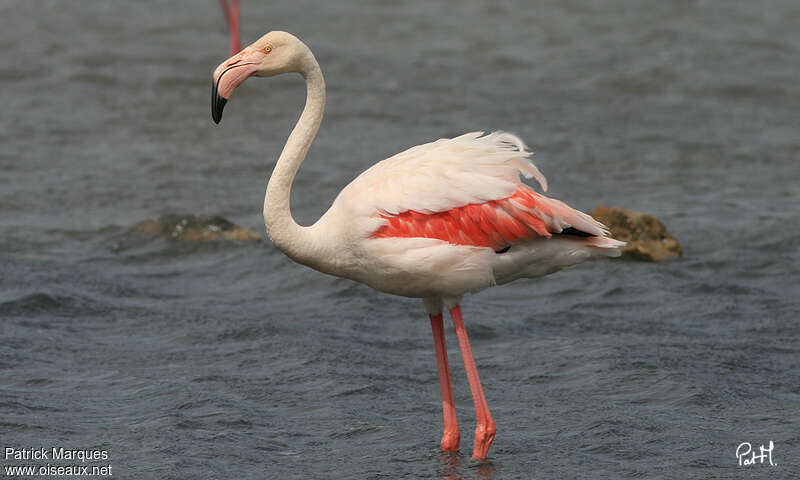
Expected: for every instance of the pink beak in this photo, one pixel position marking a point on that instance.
(229, 75)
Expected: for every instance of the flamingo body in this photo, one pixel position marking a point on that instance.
(429, 221)
(434, 222)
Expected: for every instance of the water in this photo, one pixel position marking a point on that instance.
(226, 360)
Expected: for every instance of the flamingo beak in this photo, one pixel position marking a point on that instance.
(229, 75)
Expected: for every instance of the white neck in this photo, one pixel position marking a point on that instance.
(299, 243)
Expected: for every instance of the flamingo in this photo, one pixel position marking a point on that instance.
(433, 222)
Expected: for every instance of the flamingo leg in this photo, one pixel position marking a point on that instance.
(231, 13)
(451, 436)
(236, 42)
(485, 430)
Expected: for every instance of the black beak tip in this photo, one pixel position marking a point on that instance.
(217, 103)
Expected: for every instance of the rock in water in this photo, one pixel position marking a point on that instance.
(648, 238)
(192, 228)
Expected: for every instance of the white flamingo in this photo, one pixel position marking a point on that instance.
(433, 222)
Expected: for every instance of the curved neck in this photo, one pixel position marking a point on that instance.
(296, 241)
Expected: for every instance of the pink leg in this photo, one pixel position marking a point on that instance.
(236, 43)
(231, 14)
(485, 430)
(451, 436)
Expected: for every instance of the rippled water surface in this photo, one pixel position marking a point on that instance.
(227, 360)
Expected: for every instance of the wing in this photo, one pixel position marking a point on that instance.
(465, 191)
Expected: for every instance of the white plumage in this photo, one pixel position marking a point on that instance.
(436, 177)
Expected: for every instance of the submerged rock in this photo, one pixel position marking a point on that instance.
(648, 238)
(192, 228)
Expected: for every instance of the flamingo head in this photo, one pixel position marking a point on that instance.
(273, 54)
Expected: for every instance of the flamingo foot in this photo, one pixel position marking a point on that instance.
(484, 436)
(451, 440)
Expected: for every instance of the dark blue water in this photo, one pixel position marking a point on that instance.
(227, 360)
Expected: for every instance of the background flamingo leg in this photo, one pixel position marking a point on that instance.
(231, 13)
(485, 430)
(452, 435)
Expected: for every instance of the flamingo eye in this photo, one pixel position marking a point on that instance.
(267, 48)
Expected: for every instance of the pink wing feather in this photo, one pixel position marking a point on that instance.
(523, 216)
